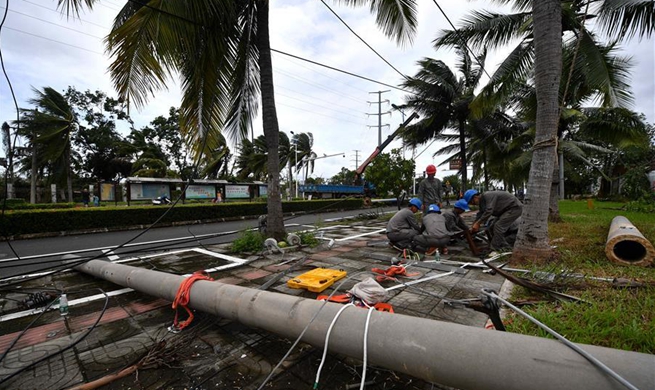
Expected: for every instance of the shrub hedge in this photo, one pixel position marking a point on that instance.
(24, 222)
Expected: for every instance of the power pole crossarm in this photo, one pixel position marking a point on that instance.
(380, 113)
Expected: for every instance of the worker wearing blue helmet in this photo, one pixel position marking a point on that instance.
(434, 234)
(454, 221)
(403, 226)
(502, 205)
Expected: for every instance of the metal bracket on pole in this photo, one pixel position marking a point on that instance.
(489, 307)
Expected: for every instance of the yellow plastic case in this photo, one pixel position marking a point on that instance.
(317, 279)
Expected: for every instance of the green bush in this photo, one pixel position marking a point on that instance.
(249, 241)
(309, 238)
(642, 206)
(31, 221)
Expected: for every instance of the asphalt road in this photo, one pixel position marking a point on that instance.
(41, 254)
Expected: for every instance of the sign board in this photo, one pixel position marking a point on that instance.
(149, 191)
(263, 191)
(107, 191)
(196, 191)
(236, 192)
(455, 165)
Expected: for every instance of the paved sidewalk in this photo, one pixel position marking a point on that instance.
(214, 353)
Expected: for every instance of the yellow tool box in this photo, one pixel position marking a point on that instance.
(317, 279)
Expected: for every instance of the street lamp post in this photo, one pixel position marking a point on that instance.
(413, 151)
(295, 146)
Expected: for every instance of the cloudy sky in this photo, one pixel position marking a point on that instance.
(41, 48)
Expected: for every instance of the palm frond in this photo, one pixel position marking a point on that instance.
(626, 18)
(74, 7)
(396, 18)
(510, 76)
(606, 73)
(484, 29)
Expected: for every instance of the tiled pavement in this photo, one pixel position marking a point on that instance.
(215, 353)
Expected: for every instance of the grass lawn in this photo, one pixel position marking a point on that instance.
(622, 318)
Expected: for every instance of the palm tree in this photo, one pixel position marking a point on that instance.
(221, 50)
(252, 160)
(306, 155)
(443, 101)
(50, 127)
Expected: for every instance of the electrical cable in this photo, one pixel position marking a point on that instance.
(368, 319)
(360, 38)
(566, 342)
(270, 375)
(55, 24)
(22, 369)
(15, 340)
(11, 148)
(54, 40)
(319, 114)
(327, 340)
(462, 39)
(59, 13)
(339, 70)
(61, 267)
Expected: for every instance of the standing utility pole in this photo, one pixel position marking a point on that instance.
(356, 158)
(380, 113)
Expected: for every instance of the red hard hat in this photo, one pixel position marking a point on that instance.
(431, 169)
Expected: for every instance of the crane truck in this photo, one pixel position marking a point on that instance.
(360, 187)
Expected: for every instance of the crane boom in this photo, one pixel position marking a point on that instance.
(360, 170)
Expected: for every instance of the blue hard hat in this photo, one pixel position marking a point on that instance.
(469, 194)
(462, 204)
(434, 208)
(416, 202)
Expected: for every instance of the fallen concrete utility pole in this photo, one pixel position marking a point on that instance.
(626, 245)
(463, 357)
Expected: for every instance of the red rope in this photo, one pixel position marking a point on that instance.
(184, 295)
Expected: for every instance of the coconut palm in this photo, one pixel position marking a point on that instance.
(532, 239)
(306, 155)
(252, 159)
(221, 51)
(442, 99)
(50, 127)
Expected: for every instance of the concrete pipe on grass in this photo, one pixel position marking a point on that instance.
(626, 245)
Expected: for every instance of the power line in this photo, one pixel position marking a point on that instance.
(318, 85)
(360, 38)
(55, 24)
(300, 93)
(323, 74)
(316, 113)
(272, 50)
(462, 39)
(339, 70)
(53, 40)
(59, 13)
(318, 105)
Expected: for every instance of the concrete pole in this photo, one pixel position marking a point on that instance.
(463, 357)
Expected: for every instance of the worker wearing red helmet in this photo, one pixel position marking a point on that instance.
(429, 190)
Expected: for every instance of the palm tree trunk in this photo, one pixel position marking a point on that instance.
(274, 223)
(462, 155)
(532, 240)
(553, 207)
